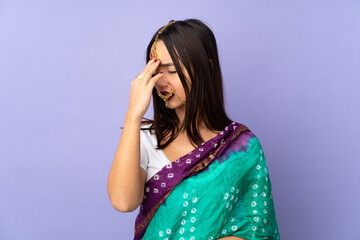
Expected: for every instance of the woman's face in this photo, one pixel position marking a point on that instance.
(170, 78)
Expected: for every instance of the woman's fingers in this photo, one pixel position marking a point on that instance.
(148, 73)
(145, 69)
(154, 79)
(144, 72)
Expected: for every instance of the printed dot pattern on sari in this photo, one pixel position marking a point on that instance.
(260, 197)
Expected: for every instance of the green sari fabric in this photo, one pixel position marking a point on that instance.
(231, 197)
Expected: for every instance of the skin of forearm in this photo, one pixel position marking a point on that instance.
(231, 238)
(124, 182)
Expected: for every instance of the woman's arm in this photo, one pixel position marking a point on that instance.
(231, 238)
(127, 179)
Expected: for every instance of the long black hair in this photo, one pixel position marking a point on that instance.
(193, 43)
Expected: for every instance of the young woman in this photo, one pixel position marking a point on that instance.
(194, 172)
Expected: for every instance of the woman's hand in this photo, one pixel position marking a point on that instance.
(141, 89)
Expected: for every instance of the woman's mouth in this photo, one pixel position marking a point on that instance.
(171, 96)
(165, 95)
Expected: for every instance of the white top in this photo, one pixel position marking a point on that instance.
(151, 160)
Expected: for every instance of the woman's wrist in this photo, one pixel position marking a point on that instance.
(131, 117)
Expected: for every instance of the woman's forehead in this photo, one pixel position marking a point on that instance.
(164, 55)
(162, 52)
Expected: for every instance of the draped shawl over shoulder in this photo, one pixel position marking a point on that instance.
(221, 188)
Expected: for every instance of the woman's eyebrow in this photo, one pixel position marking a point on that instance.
(166, 64)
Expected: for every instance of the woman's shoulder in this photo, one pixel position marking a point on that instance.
(147, 136)
(241, 129)
(146, 129)
(245, 135)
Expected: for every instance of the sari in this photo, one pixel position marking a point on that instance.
(221, 188)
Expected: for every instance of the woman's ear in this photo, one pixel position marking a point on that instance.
(211, 63)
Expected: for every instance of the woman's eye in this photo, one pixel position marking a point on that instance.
(157, 73)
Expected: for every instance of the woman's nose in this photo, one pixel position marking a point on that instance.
(161, 83)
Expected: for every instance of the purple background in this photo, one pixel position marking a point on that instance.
(291, 74)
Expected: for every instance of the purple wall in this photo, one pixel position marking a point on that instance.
(291, 74)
